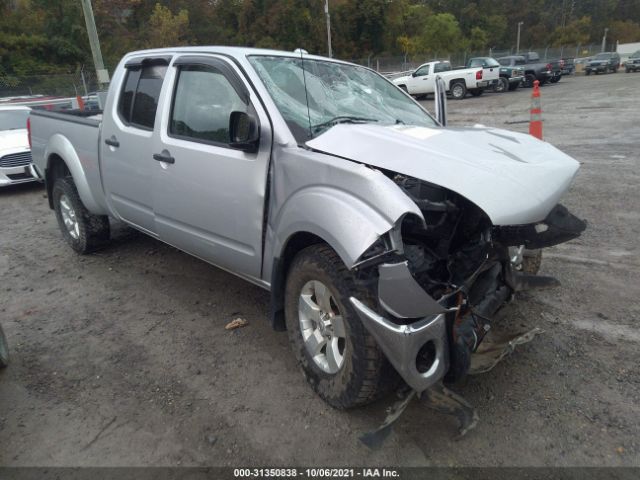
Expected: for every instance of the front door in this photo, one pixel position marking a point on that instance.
(127, 141)
(210, 198)
(421, 81)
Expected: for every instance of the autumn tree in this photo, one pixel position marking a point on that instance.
(166, 29)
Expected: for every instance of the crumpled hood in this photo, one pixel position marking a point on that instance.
(514, 178)
(13, 140)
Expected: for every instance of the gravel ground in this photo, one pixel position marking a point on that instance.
(121, 358)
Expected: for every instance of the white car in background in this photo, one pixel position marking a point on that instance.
(15, 152)
(458, 81)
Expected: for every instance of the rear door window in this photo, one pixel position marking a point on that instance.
(140, 94)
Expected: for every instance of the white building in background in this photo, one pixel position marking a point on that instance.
(626, 49)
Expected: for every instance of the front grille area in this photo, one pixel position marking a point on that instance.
(15, 160)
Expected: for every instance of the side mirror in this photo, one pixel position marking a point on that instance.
(244, 132)
(440, 97)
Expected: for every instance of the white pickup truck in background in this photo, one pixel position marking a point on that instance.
(458, 82)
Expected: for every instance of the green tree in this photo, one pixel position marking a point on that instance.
(166, 29)
(625, 31)
(575, 32)
(442, 34)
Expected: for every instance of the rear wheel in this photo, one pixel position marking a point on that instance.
(555, 78)
(501, 86)
(513, 86)
(587, 72)
(458, 90)
(529, 78)
(83, 231)
(338, 356)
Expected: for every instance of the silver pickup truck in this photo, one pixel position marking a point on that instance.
(386, 239)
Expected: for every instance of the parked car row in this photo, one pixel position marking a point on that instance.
(482, 73)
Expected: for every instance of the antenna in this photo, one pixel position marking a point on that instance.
(306, 94)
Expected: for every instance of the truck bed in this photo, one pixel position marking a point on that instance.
(73, 135)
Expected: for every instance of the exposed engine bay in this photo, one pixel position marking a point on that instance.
(462, 262)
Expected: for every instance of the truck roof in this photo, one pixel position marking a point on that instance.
(230, 51)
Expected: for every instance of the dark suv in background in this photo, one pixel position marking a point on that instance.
(633, 62)
(603, 63)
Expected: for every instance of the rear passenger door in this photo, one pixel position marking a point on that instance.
(210, 197)
(127, 142)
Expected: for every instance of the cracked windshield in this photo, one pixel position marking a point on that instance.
(335, 93)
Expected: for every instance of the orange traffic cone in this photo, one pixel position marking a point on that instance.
(535, 125)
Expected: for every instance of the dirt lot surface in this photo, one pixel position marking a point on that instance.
(121, 358)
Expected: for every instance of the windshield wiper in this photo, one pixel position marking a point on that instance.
(342, 119)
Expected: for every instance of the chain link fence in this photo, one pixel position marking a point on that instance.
(405, 63)
(80, 83)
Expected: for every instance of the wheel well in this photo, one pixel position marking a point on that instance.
(457, 80)
(56, 168)
(281, 264)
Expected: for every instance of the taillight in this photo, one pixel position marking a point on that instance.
(549, 67)
(29, 130)
(479, 75)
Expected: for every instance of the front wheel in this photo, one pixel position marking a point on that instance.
(83, 231)
(338, 356)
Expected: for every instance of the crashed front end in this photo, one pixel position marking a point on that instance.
(441, 279)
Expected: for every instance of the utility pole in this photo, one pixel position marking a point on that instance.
(326, 12)
(518, 40)
(94, 41)
(604, 40)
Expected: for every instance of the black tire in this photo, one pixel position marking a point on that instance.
(458, 90)
(529, 78)
(531, 261)
(365, 374)
(555, 78)
(93, 230)
(626, 70)
(587, 72)
(501, 86)
(514, 86)
(476, 92)
(4, 350)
